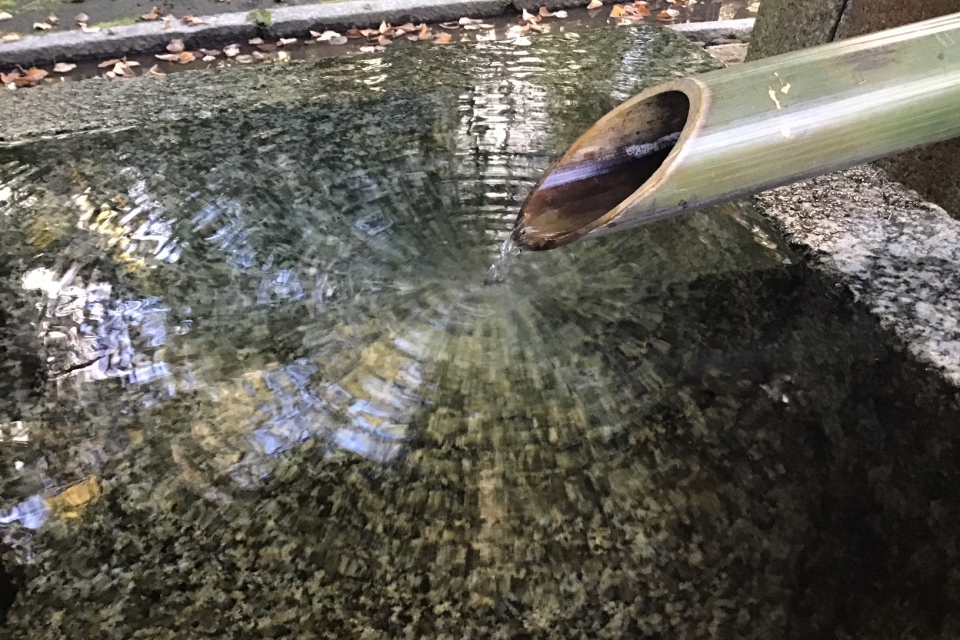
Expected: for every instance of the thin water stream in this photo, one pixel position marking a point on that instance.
(254, 385)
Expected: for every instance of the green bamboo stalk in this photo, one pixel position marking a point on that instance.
(688, 144)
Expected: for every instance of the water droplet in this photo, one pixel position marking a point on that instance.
(497, 274)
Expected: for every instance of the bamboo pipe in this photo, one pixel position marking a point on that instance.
(695, 142)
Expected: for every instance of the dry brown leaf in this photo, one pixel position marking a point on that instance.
(176, 46)
(81, 18)
(155, 72)
(32, 76)
(211, 52)
(131, 63)
(53, 19)
(545, 13)
(641, 9)
(267, 46)
(384, 41)
(408, 27)
(664, 16)
(369, 33)
(338, 40)
(64, 67)
(255, 41)
(192, 21)
(424, 32)
(231, 50)
(186, 57)
(87, 29)
(384, 27)
(8, 78)
(153, 14)
(166, 24)
(560, 14)
(209, 58)
(42, 26)
(10, 37)
(444, 38)
(451, 26)
(122, 69)
(244, 59)
(616, 11)
(285, 41)
(167, 57)
(367, 49)
(594, 4)
(526, 16)
(259, 55)
(71, 501)
(109, 63)
(354, 33)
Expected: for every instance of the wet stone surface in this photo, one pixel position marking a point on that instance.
(254, 385)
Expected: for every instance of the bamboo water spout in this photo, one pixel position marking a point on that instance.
(691, 143)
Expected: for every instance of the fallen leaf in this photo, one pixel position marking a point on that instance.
(283, 56)
(754, 7)
(244, 59)
(325, 36)
(413, 38)
(354, 33)
(210, 52)
(641, 9)
(81, 18)
(408, 27)
(209, 58)
(32, 76)
(167, 57)
(384, 41)
(369, 33)
(484, 25)
(192, 21)
(526, 16)
(176, 46)
(545, 13)
(616, 11)
(267, 46)
(450, 25)
(338, 40)
(155, 72)
(63, 67)
(5, 16)
(259, 55)
(42, 26)
(367, 49)
(8, 78)
(70, 502)
(186, 57)
(560, 14)
(131, 63)
(667, 15)
(594, 4)
(255, 41)
(424, 32)
(384, 27)
(285, 41)
(110, 74)
(231, 50)
(109, 63)
(10, 37)
(87, 29)
(444, 38)
(153, 14)
(166, 24)
(122, 69)
(53, 19)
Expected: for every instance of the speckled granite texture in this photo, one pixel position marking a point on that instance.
(898, 254)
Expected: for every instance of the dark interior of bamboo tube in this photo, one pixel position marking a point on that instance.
(611, 161)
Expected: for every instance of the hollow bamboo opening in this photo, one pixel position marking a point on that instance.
(609, 163)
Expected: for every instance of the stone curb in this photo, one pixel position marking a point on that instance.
(151, 37)
(709, 31)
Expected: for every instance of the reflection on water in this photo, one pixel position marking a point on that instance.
(255, 385)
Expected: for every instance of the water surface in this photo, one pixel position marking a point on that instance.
(255, 386)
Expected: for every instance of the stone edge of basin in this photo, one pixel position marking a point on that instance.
(151, 37)
(896, 253)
